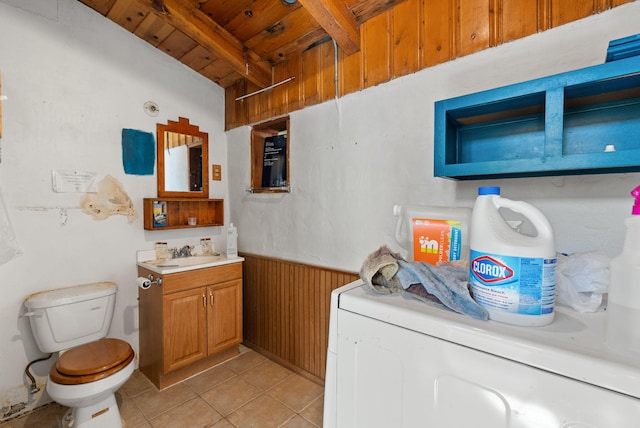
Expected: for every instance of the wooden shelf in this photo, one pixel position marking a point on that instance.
(208, 212)
(556, 125)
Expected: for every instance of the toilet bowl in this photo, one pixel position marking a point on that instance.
(90, 368)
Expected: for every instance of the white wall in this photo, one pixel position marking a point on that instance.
(353, 159)
(74, 80)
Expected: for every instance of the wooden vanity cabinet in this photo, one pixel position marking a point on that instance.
(189, 323)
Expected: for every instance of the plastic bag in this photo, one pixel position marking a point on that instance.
(8, 244)
(581, 280)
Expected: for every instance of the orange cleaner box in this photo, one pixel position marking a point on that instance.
(436, 240)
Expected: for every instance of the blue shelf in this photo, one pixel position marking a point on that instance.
(623, 48)
(556, 125)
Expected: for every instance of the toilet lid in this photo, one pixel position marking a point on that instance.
(91, 362)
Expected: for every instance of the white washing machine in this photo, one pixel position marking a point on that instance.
(394, 361)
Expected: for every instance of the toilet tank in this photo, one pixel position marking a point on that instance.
(67, 317)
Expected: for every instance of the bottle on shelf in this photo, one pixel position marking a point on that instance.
(232, 241)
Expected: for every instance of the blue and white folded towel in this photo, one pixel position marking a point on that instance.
(387, 272)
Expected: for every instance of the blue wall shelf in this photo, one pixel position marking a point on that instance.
(585, 121)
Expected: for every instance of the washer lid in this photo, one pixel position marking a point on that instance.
(573, 345)
(64, 296)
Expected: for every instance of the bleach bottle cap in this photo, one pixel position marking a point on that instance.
(488, 190)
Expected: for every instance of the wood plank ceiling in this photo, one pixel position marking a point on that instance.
(228, 40)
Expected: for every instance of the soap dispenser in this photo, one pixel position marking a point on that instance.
(623, 307)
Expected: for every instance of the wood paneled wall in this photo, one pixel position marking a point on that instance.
(413, 35)
(286, 311)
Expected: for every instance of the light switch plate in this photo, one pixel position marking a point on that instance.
(216, 172)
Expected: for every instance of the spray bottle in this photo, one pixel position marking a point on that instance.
(623, 308)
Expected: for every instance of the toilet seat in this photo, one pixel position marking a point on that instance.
(91, 362)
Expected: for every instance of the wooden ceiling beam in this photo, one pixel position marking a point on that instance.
(197, 25)
(337, 20)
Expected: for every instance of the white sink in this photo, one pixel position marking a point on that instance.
(185, 261)
(181, 264)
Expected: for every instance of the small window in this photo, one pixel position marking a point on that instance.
(270, 157)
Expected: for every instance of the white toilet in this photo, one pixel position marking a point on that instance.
(75, 321)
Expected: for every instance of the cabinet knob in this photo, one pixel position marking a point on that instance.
(211, 297)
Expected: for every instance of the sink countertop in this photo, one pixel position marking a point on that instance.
(146, 259)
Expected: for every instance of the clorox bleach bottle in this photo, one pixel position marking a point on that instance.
(513, 276)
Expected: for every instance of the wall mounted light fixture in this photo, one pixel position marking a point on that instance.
(151, 108)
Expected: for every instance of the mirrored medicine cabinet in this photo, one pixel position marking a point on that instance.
(183, 159)
(183, 180)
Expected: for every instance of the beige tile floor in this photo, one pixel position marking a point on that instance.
(248, 391)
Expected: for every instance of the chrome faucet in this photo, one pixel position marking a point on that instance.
(182, 252)
(185, 251)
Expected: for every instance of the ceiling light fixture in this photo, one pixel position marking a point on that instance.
(289, 2)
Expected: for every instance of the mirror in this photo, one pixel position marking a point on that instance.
(183, 160)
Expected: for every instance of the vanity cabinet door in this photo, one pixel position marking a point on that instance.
(224, 316)
(185, 318)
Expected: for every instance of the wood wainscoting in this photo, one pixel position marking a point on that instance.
(286, 311)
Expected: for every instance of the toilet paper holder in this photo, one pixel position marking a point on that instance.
(154, 281)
